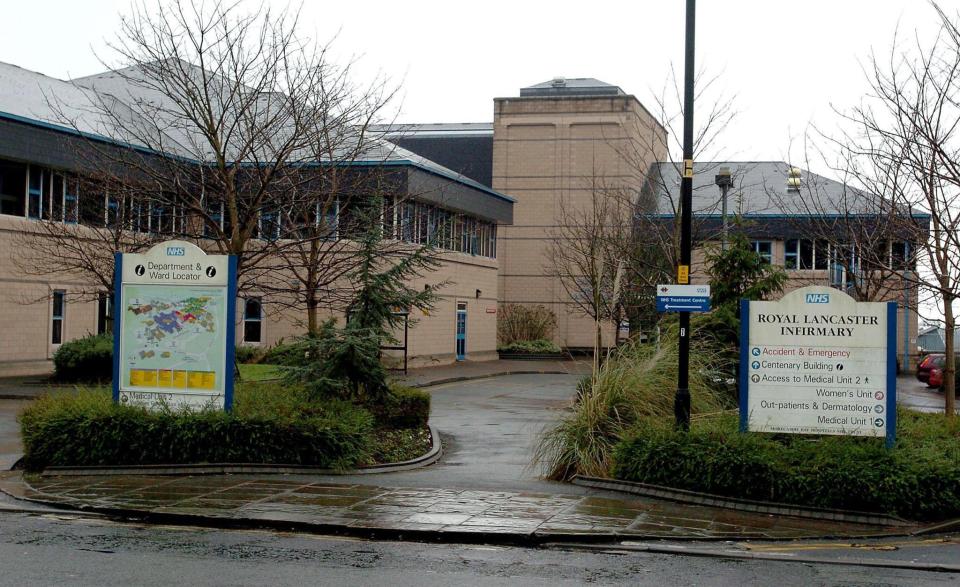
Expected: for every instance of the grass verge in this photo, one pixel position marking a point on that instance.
(259, 372)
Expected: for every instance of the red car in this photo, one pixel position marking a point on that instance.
(929, 362)
(936, 379)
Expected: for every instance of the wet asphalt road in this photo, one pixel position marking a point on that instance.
(916, 395)
(489, 428)
(65, 550)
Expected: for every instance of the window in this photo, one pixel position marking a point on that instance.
(764, 249)
(35, 193)
(326, 217)
(56, 197)
(268, 226)
(111, 211)
(59, 306)
(13, 181)
(902, 256)
(805, 254)
(104, 312)
(71, 208)
(215, 212)
(252, 320)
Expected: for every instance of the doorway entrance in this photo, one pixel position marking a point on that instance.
(461, 331)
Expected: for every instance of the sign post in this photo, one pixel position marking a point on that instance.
(819, 362)
(174, 330)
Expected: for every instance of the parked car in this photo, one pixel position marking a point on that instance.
(936, 379)
(931, 361)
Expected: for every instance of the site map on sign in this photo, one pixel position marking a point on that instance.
(173, 337)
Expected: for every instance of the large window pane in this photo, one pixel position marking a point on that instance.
(13, 183)
(58, 312)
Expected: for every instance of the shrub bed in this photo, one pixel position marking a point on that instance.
(88, 359)
(638, 383)
(532, 347)
(918, 479)
(269, 424)
(404, 407)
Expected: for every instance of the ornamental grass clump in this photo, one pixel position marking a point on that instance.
(635, 386)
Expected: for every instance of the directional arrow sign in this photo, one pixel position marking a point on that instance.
(683, 298)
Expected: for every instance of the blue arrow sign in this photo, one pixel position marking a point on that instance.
(683, 298)
(686, 304)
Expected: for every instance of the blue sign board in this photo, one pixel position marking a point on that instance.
(683, 298)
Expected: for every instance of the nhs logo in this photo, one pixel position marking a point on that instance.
(179, 252)
(818, 298)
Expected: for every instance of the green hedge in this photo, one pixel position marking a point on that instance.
(288, 354)
(85, 359)
(246, 354)
(87, 428)
(405, 407)
(918, 479)
(539, 346)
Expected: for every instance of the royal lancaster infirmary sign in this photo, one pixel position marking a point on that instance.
(818, 362)
(174, 327)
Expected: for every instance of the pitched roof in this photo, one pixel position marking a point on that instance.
(759, 190)
(574, 86)
(75, 106)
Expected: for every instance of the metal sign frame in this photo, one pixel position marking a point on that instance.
(230, 326)
(891, 370)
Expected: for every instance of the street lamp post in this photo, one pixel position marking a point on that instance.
(724, 180)
(681, 400)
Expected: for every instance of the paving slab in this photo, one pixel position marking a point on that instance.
(497, 516)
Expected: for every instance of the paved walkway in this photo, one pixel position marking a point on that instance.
(483, 487)
(465, 370)
(436, 514)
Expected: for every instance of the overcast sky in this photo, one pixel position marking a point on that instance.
(786, 62)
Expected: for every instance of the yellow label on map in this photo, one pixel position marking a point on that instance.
(180, 379)
(683, 274)
(164, 378)
(136, 377)
(148, 377)
(201, 380)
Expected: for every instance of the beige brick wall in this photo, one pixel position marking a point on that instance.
(551, 150)
(25, 309)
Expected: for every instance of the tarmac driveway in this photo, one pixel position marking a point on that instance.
(489, 428)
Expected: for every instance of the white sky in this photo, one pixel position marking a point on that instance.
(786, 61)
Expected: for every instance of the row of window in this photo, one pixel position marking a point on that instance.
(42, 194)
(423, 223)
(819, 254)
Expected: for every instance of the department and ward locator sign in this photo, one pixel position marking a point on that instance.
(818, 362)
(174, 310)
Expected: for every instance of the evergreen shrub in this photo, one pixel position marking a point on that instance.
(403, 407)
(531, 347)
(86, 359)
(268, 425)
(918, 479)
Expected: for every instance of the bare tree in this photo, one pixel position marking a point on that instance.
(653, 246)
(903, 145)
(79, 237)
(223, 106)
(584, 254)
